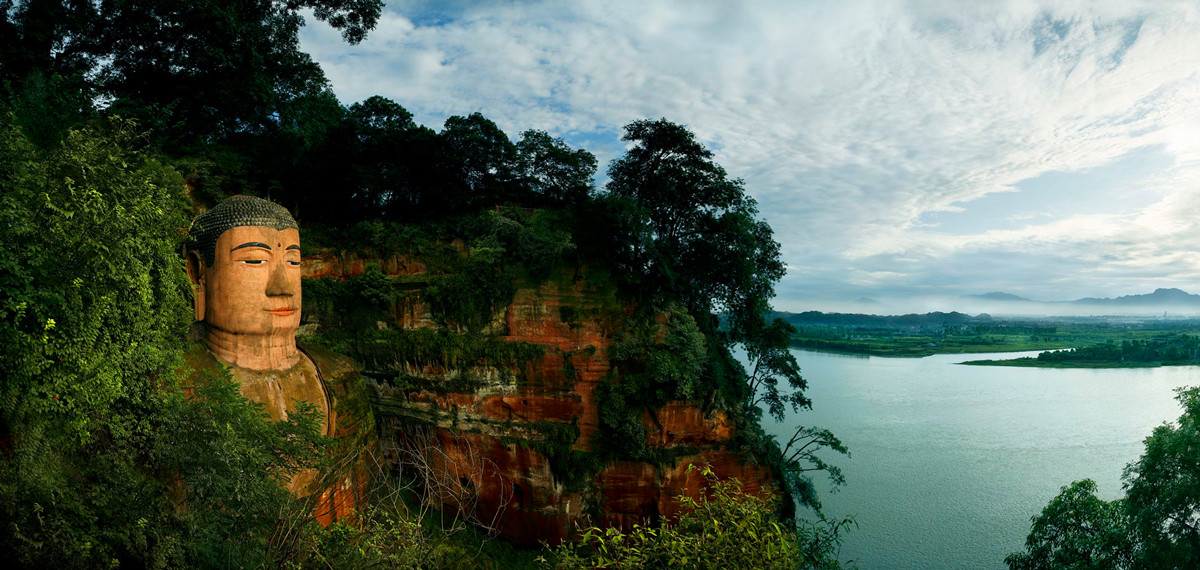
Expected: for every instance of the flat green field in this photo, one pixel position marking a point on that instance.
(998, 336)
(917, 346)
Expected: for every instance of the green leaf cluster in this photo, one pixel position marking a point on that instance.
(1155, 525)
(103, 461)
(92, 291)
(724, 527)
(661, 362)
(654, 363)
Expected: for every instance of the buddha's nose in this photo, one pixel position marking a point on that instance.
(278, 284)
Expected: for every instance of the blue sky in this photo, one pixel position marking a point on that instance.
(902, 151)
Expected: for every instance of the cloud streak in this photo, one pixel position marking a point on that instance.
(852, 123)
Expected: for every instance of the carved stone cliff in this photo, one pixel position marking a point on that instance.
(518, 435)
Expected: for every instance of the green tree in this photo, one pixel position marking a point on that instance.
(400, 168)
(1162, 494)
(556, 172)
(685, 232)
(90, 287)
(222, 88)
(1076, 530)
(1156, 524)
(191, 70)
(484, 163)
(695, 233)
(767, 351)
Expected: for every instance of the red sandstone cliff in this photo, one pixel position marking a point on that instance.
(487, 436)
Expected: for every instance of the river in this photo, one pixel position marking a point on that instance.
(949, 462)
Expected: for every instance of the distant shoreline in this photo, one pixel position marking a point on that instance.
(841, 347)
(1031, 362)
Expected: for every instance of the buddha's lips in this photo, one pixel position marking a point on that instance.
(282, 312)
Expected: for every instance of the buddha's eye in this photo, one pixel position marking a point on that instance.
(252, 261)
(294, 263)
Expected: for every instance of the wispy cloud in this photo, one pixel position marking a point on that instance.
(853, 122)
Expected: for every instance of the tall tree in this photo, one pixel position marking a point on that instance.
(1162, 494)
(484, 162)
(557, 173)
(1077, 529)
(686, 231)
(399, 166)
(696, 235)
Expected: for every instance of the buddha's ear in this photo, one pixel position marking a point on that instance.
(195, 271)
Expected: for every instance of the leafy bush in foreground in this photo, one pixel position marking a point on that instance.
(727, 528)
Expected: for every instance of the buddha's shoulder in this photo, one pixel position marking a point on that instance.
(349, 389)
(331, 364)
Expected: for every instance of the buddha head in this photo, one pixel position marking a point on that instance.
(244, 264)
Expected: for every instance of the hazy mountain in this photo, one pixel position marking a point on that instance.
(1173, 302)
(1159, 298)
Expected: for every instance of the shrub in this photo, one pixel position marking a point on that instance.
(723, 528)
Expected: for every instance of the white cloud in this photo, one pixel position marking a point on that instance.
(848, 120)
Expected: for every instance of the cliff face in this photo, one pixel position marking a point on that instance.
(508, 442)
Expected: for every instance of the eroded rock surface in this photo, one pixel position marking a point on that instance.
(490, 430)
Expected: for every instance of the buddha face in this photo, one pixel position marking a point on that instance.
(253, 286)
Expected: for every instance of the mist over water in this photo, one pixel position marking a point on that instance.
(949, 462)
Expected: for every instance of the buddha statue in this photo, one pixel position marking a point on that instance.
(243, 260)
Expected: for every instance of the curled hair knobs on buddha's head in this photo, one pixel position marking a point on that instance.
(239, 210)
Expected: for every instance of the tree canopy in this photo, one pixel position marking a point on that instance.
(1155, 525)
(682, 231)
(693, 232)
(197, 72)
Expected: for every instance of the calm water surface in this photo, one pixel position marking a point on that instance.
(949, 462)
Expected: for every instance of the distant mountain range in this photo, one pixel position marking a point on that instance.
(1159, 298)
(1173, 297)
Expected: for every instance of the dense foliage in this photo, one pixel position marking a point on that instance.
(1171, 348)
(725, 527)
(90, 290)
(110, 111)
(688, 242)
(196, 72)
(1155, 525)
(104, 462)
